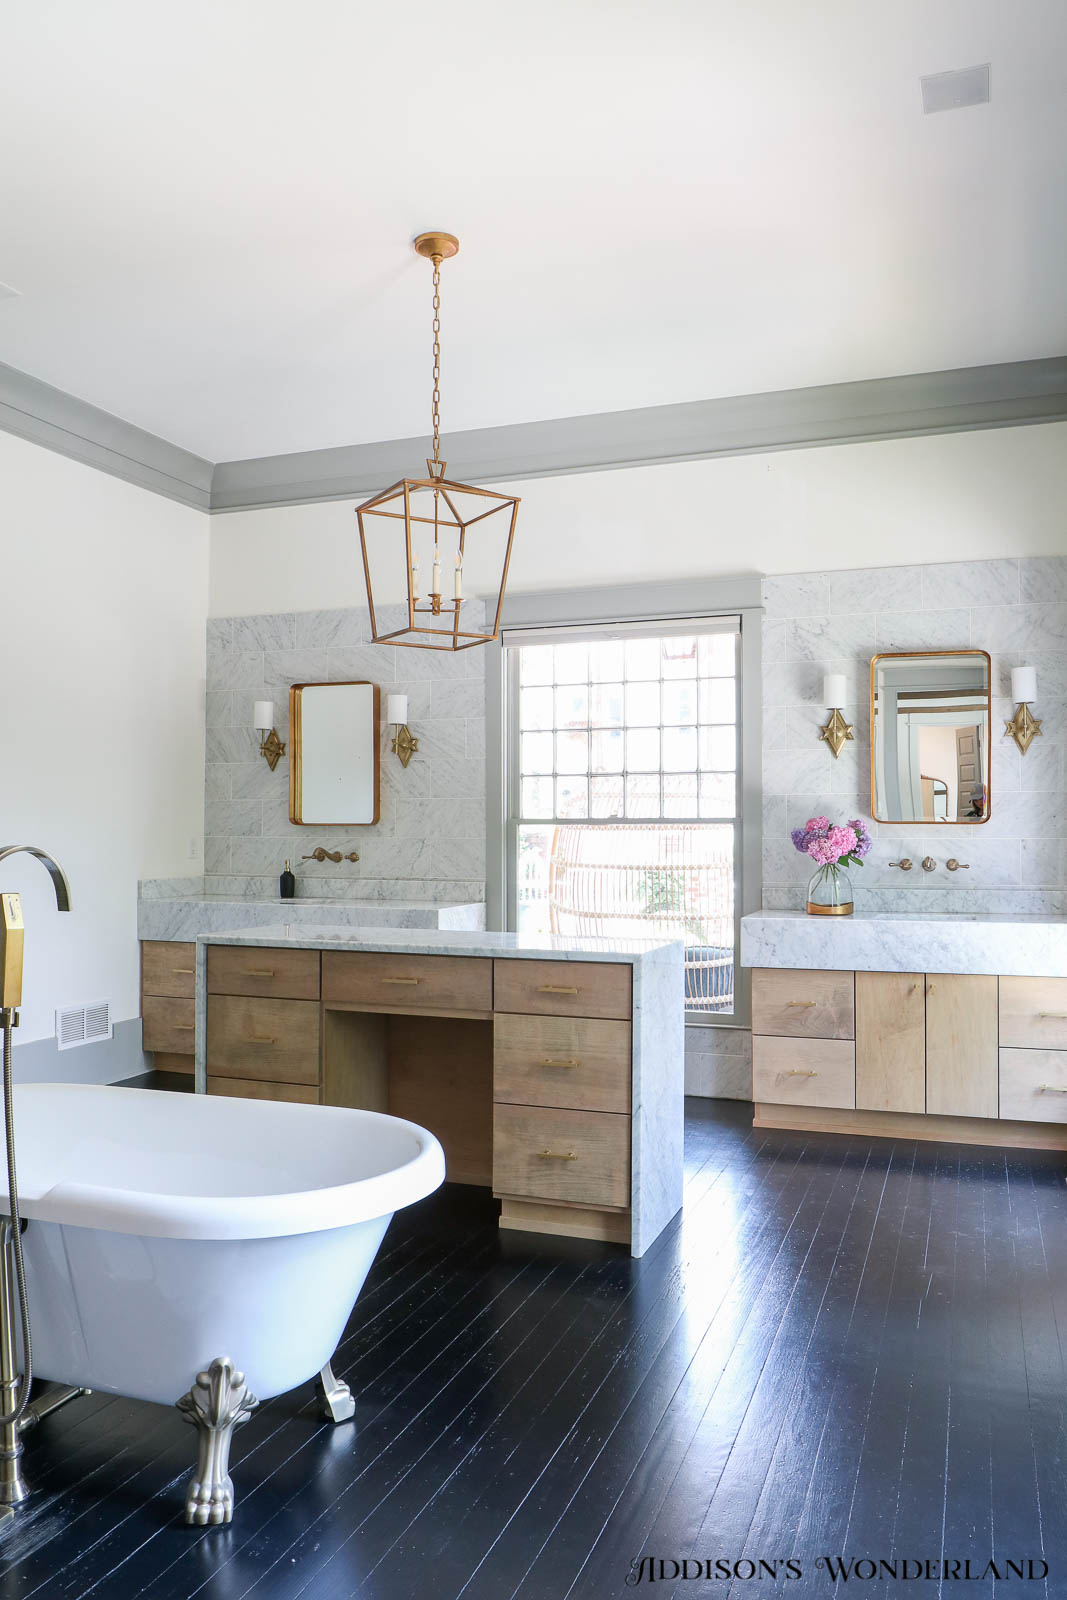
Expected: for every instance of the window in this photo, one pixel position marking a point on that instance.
(623, 790)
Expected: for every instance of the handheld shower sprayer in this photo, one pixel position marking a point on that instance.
(15, 1390)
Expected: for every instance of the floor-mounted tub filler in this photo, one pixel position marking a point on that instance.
(203, 1251)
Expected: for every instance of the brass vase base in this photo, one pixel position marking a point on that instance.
(845, 910)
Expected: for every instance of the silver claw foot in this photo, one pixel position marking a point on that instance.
(339, 1404)
(217, 1402)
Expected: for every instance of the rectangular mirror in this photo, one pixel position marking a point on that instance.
(930, 733)
(333, 753)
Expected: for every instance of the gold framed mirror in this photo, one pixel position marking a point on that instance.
(334, 754)
(931, 723)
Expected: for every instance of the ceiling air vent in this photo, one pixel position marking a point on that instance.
(83, 1024)
(951, 91)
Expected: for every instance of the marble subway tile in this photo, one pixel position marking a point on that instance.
(828, 638)
(396, 858)
(971, 583)
(447, 699)
(296, 666)
(1043, 578)
(218, 708)
(1042, 767)
(266, 632)
(219, 632)
(237, 818)
(323, 630)
(216, 854)
(233, 744)
(253, 780)
(798, 594)
(216, 781)
(1026, 814)
(785, 771)
(876, 589)
(1023, 627)
(795, 683)
(363, 663)
(1044, 863)
(229, 667)
(924, 630)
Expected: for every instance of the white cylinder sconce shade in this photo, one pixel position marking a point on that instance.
(263, 716)
(1023, 684)
(834, 689)
(396, 709)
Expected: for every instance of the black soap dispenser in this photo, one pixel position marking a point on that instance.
(287, 884)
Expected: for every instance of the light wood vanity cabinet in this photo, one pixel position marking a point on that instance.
(973, 1058)
(263, 1023)
(168, 1009)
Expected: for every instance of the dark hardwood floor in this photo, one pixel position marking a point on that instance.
(843, 1347)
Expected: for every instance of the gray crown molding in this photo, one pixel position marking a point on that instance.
(641, 602)
(1010, 394)
(36, 411)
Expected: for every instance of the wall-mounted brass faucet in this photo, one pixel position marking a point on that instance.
(321, 854)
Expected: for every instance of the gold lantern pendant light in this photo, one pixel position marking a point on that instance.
(442, 522)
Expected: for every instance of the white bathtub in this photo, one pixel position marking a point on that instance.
(168, 1230)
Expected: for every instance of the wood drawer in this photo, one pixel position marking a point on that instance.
(564, 988)
(589, 1163)
(302, 1094)
(804, 1003)
(168, 1025)
(562, 1061)
(168, 967)
(255, 970)
(275, 1040)
(402, 983)
(1033, 1085)
(804, 1072)
(1033, 1013)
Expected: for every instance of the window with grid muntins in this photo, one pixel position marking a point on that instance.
(623, 793)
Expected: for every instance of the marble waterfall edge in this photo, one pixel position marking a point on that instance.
(997, 944)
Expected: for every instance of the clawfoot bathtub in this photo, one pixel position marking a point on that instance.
(204, 1251)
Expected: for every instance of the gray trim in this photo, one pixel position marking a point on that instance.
(104, 1061)
(1009, 394)
(637, 602)
(34, 410)
(495, 838)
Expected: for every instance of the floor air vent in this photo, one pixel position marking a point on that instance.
(83, 1024)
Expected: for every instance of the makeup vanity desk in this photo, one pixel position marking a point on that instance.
(550, 1069)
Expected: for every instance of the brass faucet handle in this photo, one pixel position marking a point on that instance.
(905, 865)
(321, 854)
(957, 866)
(929, 864)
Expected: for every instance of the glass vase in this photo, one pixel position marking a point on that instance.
(830, 893)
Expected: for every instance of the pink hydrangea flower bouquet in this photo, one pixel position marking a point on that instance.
(833, 847)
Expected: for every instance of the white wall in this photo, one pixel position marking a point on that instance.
(102, 659)
(954, 497)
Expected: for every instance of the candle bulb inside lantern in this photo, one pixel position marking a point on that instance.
(436, 574)
(457, 592)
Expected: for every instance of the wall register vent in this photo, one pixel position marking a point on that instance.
(951, 91)
(83, 1024)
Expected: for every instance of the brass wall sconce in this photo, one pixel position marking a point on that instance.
(836, 732)
(1023, 727)
(270, 746)
(396, 713)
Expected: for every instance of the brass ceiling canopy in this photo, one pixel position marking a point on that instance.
(422, 523)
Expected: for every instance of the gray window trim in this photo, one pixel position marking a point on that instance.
(640, 603)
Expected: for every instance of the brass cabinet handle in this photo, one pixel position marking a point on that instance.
(555, 988)
(550, 1062)
(801, 1002)
(186, 972)
(1052, 1088)
(259, 972)
(801, 1072)
(185, 1027)
(400, 980)
(1057, 1016)
(261, 1038)
(556, 1155)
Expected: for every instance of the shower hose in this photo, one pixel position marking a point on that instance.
(7, 1418)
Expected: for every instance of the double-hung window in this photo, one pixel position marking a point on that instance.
(622, 790)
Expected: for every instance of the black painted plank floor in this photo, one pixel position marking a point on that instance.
(844, 1346)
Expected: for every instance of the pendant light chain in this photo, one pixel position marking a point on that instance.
(436, 361)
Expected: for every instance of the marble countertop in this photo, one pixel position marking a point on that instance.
(449, 942)
(1005, 944)
(183, 916)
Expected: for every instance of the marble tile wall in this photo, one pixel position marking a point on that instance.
(430, 841)
(818, 622)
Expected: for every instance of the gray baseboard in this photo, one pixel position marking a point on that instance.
(104, 1061)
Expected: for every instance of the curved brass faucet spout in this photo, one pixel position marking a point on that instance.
(51, 865)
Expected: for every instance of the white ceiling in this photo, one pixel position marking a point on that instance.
(207, 206)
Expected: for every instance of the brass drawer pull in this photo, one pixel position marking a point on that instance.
(261, 1038)
(259, 972)
(1052, 1088)
(185, 972)
(801, 1072)
(400, 980)
(556, 1155)
(1058, 1016)
(801, 1002)
(549, 1061)
(556, 988)
(185, 1027)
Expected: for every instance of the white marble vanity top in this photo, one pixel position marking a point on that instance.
(184, 916)
(1005, 944)
(448, 942)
